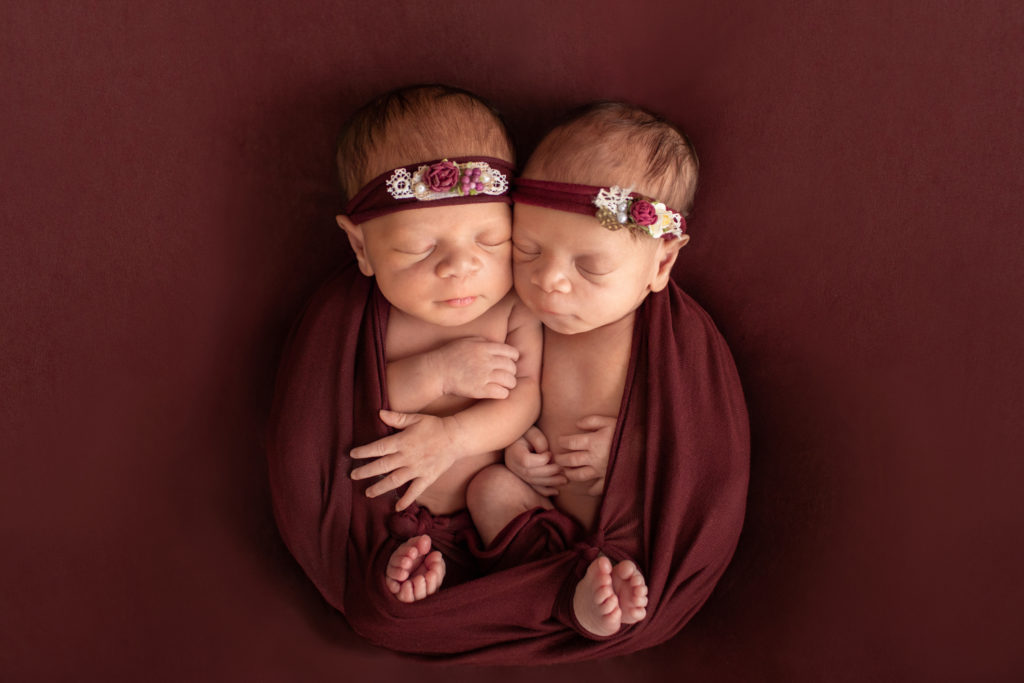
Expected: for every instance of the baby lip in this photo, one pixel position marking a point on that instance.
(550, 311)
(546, 308)
(460, 300)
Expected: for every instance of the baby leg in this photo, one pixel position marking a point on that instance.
(496, 496)
(413, 571)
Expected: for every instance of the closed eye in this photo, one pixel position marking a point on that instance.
(415, 250)
(590, 273)
(493, 242)
(594, 269)
(523, 250)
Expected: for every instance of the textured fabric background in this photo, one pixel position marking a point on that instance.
(166, 206)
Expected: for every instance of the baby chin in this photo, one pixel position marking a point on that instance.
(562, 323)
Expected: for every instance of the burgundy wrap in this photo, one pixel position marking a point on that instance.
(674, 501)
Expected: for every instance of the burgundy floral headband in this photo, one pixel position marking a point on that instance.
(617, 208)
(442, 182)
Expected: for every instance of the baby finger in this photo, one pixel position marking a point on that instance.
(378, 448)
(575, 442)
(536, 439)
(585, 473)
(494, 390)
(545, 470)
(390, 482)
(573, 458)
(504, 350)
(549, 481)
(417, 487)
(505, 364)
(376, 468)
(504, 378)
(532, 460)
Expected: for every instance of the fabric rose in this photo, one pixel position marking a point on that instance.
(643, 213)
(442, 176)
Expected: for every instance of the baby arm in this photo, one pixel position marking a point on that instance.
(427, 445)
(472, 367)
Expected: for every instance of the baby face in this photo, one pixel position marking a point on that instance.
(577, 276)
(444, 265)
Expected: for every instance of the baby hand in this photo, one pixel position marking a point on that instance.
(530, 459)
(417, 455)
(476, 368)
(586, 455)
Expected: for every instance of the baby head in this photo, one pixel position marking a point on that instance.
(425, 172)
(600, 216)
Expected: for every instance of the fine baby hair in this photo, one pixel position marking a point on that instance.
(614, 143)
(413, 124)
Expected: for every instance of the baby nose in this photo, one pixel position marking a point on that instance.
(458, 263)
(550, 278)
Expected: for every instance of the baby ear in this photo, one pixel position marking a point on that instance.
(668, 251)
(355, 238)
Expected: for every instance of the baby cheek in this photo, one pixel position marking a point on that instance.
(521, 273)
(507, 277)
(521, 280)
(413, 273)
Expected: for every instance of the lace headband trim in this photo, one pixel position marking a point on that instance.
(614, 207)
(442, 182)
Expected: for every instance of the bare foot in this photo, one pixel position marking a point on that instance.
(413, 571)
(631, 589)
(595, 603)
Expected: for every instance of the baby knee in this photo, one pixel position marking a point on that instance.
(485, 486)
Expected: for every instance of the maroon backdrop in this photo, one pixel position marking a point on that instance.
(166, 206)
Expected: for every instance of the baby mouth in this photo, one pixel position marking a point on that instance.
(460, 302)
(548, 309)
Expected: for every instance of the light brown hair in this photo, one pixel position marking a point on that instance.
(414, 124)
(614, 143)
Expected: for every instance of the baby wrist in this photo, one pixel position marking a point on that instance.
(438, 368)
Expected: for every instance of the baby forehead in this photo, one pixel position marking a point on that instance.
(448, 219)
(569, 231)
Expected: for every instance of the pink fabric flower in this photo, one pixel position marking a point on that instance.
(442, 176)
(643, 212)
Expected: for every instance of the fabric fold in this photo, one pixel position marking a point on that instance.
(674, 498)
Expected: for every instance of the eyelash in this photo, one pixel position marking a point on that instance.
(422, 252)
(496, 244)
(590, 273)
(426, 251)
